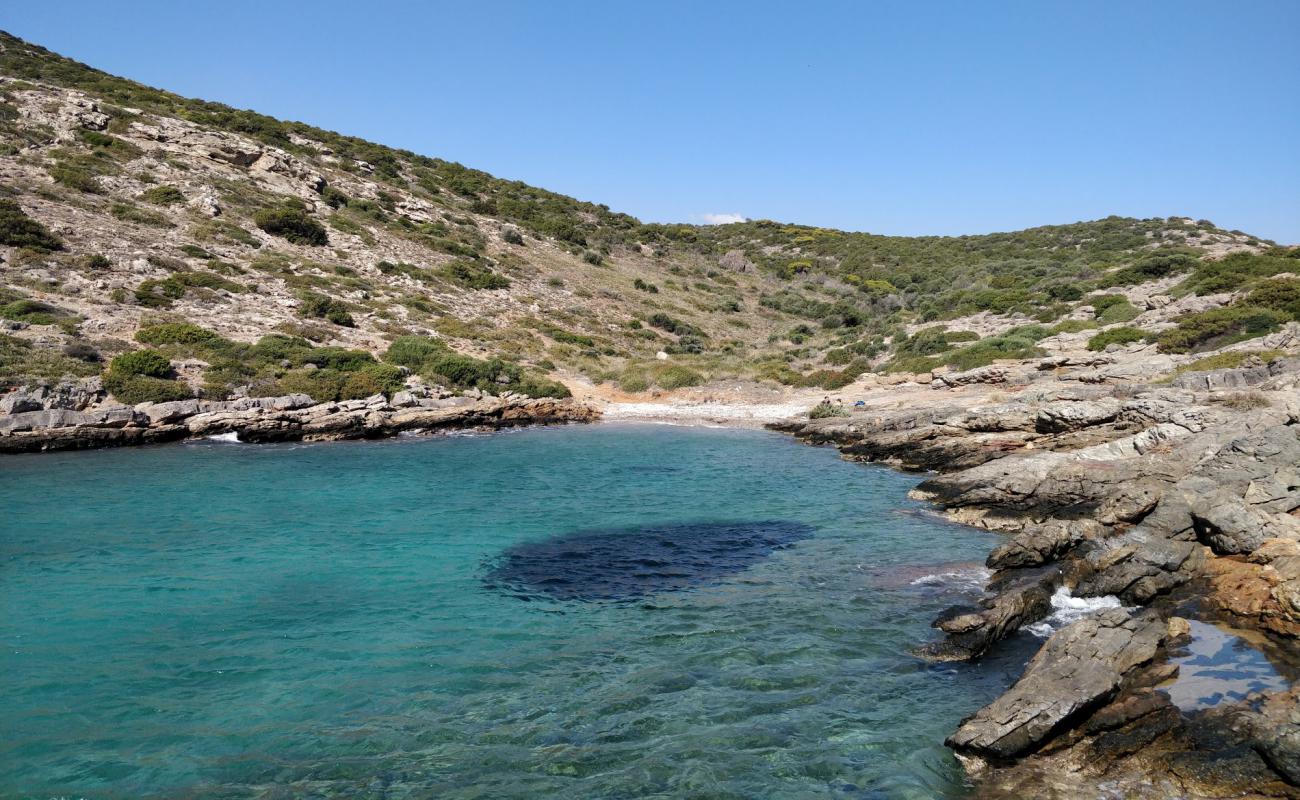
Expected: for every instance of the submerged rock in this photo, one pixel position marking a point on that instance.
(629, 563)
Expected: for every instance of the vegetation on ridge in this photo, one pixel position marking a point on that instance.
(335, 242)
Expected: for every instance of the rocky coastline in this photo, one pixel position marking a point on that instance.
(1180, 499)
(77, 416)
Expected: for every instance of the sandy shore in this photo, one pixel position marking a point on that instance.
(743, 415)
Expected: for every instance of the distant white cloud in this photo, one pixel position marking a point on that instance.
(722, 219)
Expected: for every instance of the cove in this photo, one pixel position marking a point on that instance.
(213, 619)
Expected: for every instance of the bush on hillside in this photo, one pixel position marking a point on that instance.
(327, 308)
(824, 410)
(413, 351)
(1219, 327)
(177, 333)
(162, 195)
(292, 223)
(1279, 294)
(150, 363)
(472, 275)
(1122, 335)
(986, 351)
(677, 377)
(19, 230)
(142, 376)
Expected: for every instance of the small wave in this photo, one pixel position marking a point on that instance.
(1067, 608)
(962, 578)
(232, 436)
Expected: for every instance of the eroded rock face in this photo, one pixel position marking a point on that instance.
(1081, 667)
(272, 419)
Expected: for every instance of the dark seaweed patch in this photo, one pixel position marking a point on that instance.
(628, 563)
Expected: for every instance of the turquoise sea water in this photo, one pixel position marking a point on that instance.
(380, 620)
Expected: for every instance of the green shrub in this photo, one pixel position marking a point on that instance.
(337, 358)
(109, 146)
(33, 312)
(1219, 327)
(82, 352)
(986, 351)
(568, 337)
(321, 307)
(19, 230)
(321, 385)
(912, 364)
(149, 363)
(1073, 326)
(1229, 360)
(829, 378)
(133, 389)
(535, 387)
(292, 223)
(1148, 269)
(633, 381)
(472, 275)
(334, 198)
(677, 377)
(159, 293)
(1237, 271)
(1279, 294)
(1121, 335)
(1118, 312)
(75, 177)
(162, 195)
(142, 216)
(666, 323)
(414, 351)
(465, 371)
(512, 236)
(94, 262)
(177, 333)
(645, 287)
(372, 379)
(824, 410)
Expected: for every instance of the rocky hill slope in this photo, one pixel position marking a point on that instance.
(255, 255)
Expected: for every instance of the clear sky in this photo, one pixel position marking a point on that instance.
(891, 117)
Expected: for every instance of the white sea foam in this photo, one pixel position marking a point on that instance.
(973, 579)
(1067, 608)
(232, 436)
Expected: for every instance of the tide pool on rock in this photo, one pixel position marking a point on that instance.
(210, 620)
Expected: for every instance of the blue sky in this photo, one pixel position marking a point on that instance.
(891, 117)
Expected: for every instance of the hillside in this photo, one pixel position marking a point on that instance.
(262, 257)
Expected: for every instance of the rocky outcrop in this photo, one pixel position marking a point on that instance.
(1016, 599)
(273, 419)
(1081, 667)
(1112, 489)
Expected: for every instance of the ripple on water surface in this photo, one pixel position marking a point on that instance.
(210, 620)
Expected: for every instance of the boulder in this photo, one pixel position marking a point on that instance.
(1043, 542)
(404, 400)
(1061, 416)
(174, 411)
(736, 261)
(989, 374)
(1080, 668)
(1018, 598)
(1138, 565)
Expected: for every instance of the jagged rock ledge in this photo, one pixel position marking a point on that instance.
(273, 419)
(1148, 493)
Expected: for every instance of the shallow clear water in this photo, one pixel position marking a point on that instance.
(1217, 666)
(223, 620)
